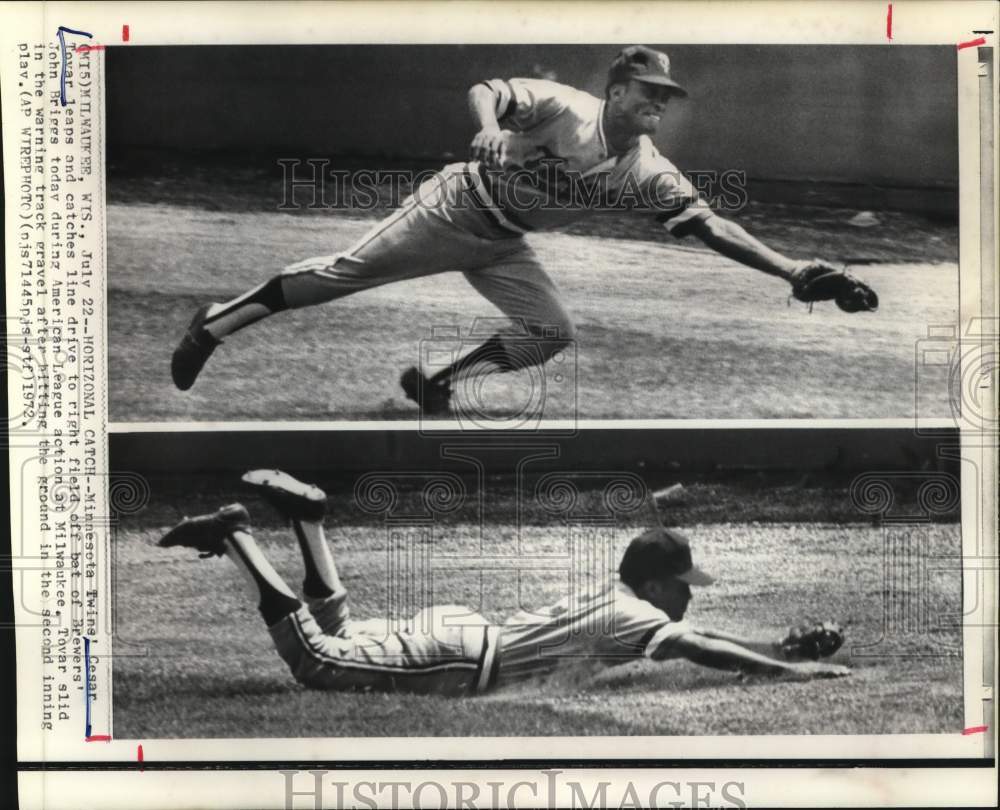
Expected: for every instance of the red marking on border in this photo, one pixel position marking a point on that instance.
(972, 43)
(974, 729)
(85, 48)
(139, 753)
(888, 22)
(125, 33)
(98, 738)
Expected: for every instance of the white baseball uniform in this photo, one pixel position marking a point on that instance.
(452, 650)
(471, 220)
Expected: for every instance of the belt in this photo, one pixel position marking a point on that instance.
(489, 662)
(480, 186)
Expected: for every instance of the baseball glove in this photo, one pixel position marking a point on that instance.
(822, 281)
(813, 641)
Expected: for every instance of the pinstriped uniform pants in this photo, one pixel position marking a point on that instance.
(446, 650)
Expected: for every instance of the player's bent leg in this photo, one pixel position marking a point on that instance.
(518, 286)
(448, 650)
(304, 506)
(521, 289)
(227, 532)
(416, 240)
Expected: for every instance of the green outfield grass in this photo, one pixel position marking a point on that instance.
(193, 658)
(665, 328)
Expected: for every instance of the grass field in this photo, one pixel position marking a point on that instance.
(209, 670)
(665, 329)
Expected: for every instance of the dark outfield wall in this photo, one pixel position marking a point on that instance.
(858, 114)
(649, 451)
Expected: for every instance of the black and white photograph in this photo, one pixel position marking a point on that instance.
(502, 234)
(694, 583)
(495, 404)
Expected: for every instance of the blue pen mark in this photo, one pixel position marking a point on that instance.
(62, 47)
(86, 679)
(88, 698)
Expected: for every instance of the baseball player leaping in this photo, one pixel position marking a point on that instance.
(452, 650)
(545, 155)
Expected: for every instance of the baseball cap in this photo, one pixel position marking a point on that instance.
(645, 65)
(660, 552)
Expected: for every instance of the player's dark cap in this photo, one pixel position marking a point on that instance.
(644, 65)
(658, 553)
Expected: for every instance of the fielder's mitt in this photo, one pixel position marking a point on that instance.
(822, 281)
(813, 641)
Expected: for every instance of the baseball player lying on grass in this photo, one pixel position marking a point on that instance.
(545, 155)
(452, 650)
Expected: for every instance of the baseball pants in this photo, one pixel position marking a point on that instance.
(445, 650)
(437, 230)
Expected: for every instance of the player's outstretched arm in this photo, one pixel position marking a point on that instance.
(720, 653)
(807, 642)
(732, 241)
(771, 649)
(811, 281)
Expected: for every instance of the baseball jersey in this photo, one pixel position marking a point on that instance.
(559, 167)
(452, 650)
(606, 628)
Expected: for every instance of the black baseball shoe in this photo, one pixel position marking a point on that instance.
(432, 397)
(207, 533)
(193, 351)
(293, 499)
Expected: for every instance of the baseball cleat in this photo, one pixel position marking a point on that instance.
(193, 351)
(293, 499)
(432, 397)
(207, 533)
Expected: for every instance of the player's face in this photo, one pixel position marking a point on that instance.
(669, 594)
(640, 106)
